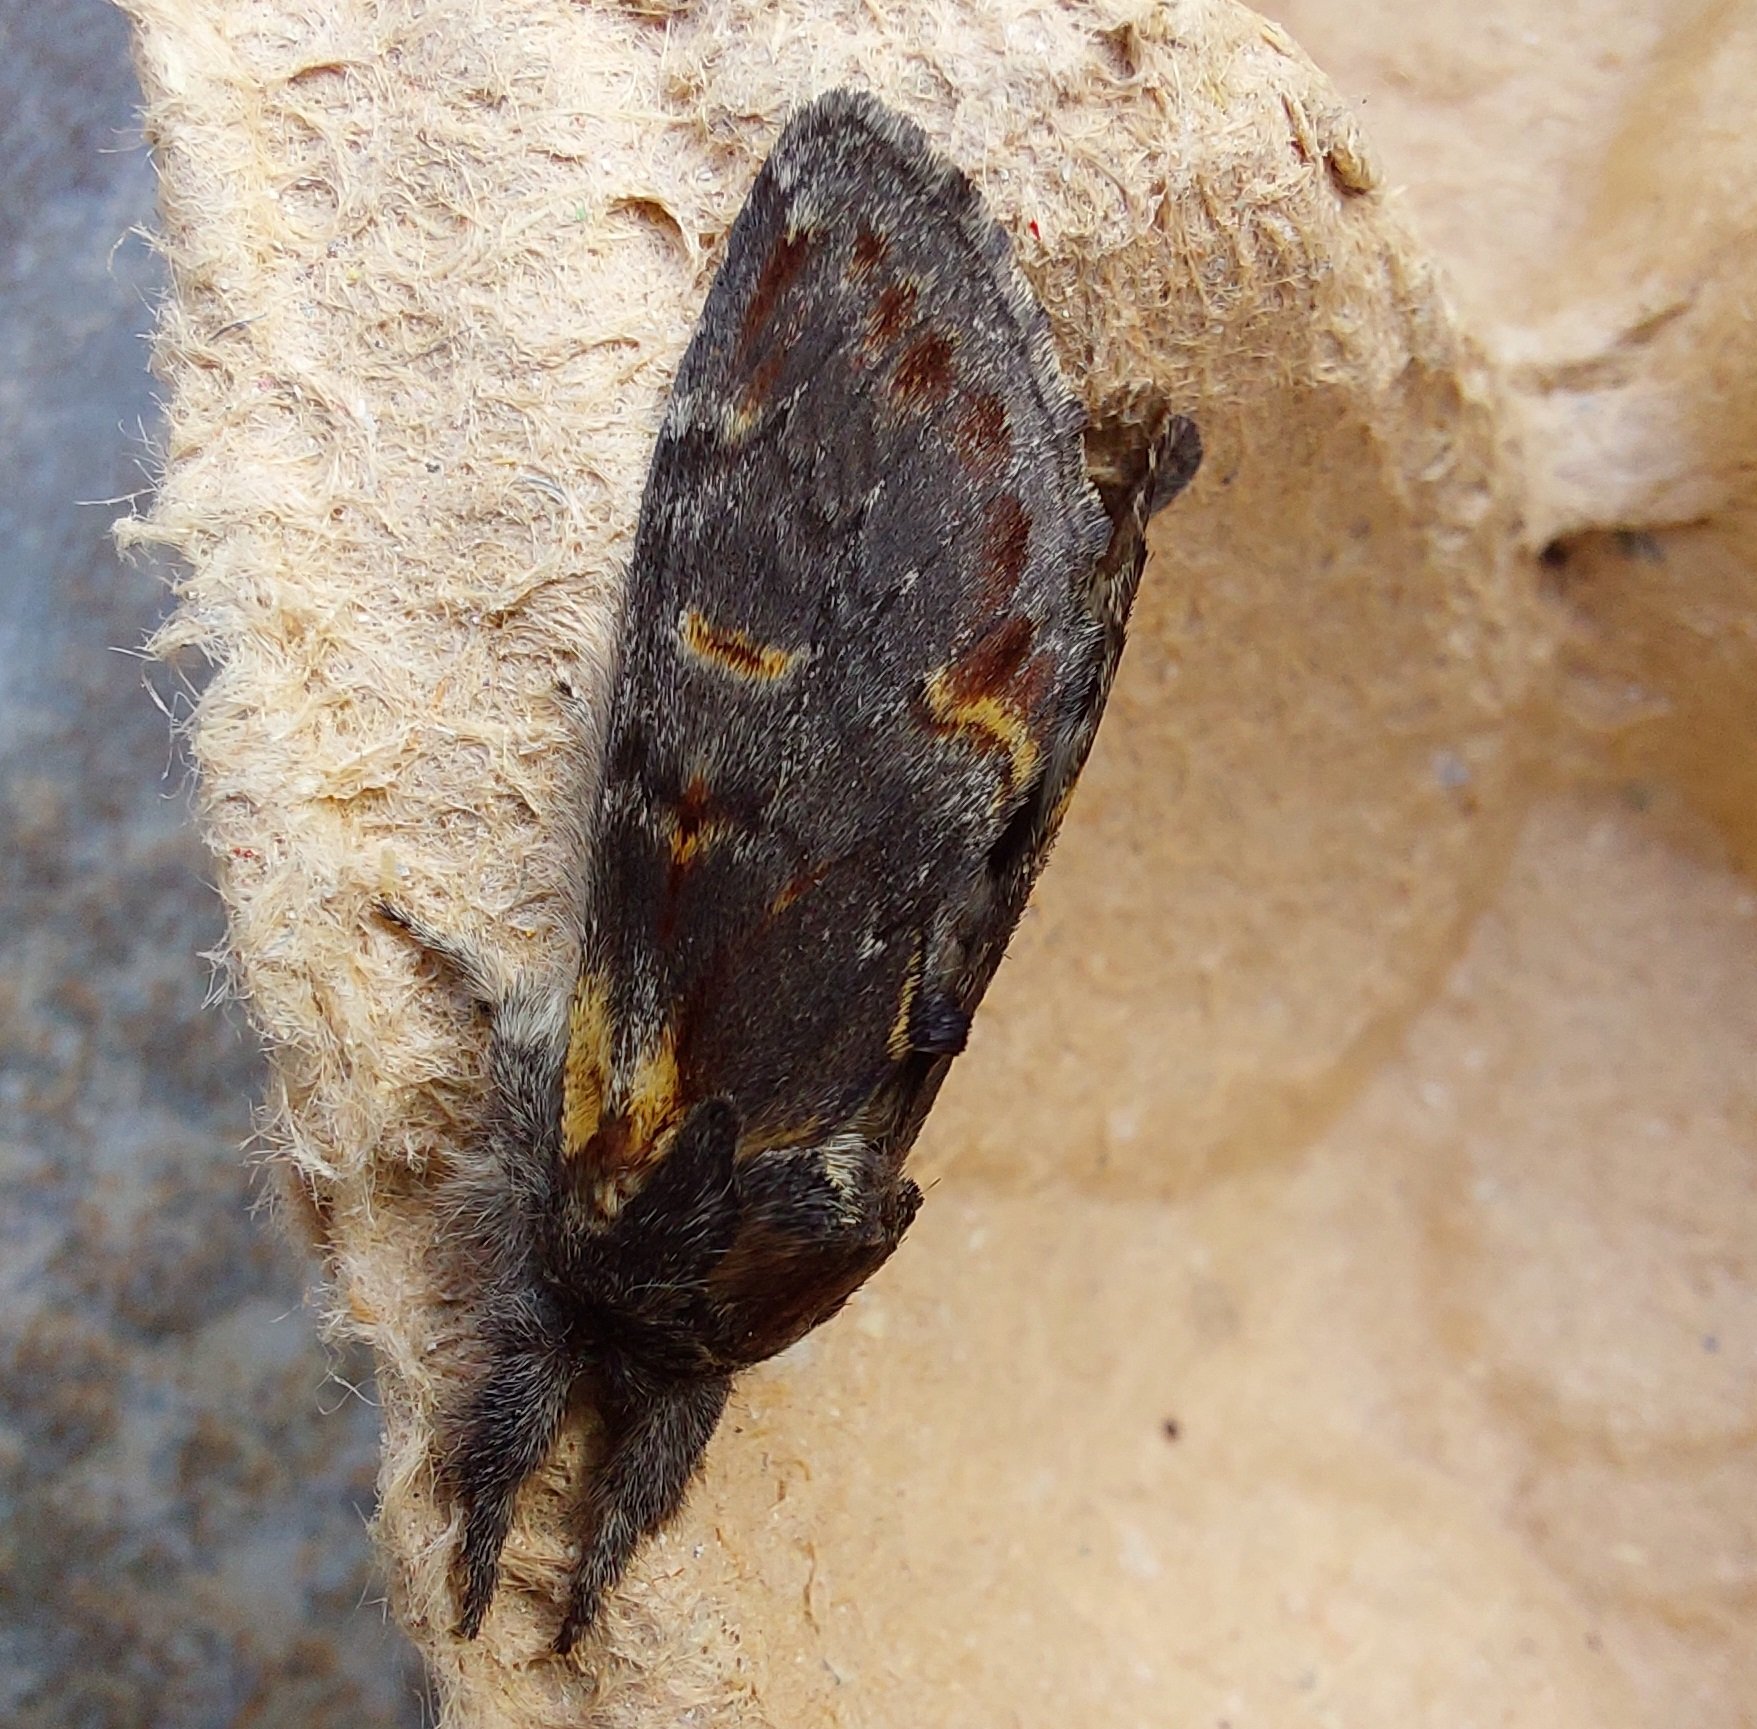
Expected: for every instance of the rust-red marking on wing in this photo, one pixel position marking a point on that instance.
(980, 435)
(890, 315)
(871, 249)
(993, 664)
(1006, 548)
(758, 388)
(694, 826)
(779, 270)
(924, 374)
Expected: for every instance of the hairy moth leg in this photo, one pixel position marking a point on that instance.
(507, 1422)
(459, 955)
(503, 1433)
(657, 1437)
(772, 1226)
(529, 1013)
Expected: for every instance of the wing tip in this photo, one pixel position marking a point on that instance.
(828, 120)
(1177, 459)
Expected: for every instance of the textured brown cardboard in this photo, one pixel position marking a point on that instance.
(1338, 1303)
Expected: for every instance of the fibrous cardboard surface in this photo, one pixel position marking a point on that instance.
(1335, 1302)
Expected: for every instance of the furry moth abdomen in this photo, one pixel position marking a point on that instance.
(873, 610)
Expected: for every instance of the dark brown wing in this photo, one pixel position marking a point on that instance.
(783, 1274)
(1138, 470)
(857, 628)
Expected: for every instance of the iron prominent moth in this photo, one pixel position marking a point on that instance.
(878, 591)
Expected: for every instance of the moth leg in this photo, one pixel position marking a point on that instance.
(656, 1441)
(503, 1434)
(459, 955)
(528, 1045)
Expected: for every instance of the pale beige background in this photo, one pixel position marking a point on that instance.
(1338, 1301)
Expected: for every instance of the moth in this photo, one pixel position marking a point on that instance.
(878, 590)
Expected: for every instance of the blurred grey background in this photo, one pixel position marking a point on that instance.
(185, 1474)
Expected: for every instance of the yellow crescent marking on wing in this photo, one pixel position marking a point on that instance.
(587, 1066)
(636, 1134)
(688, 846)
(897, 1046)
(638, 1130)
(735, 651)
(989, 719)
(653, 1102)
